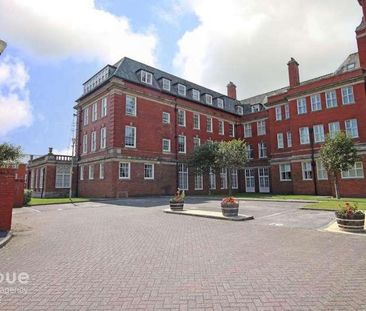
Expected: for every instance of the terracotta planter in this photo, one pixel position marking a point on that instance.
(355, 223)
(176, 206)
(230, 209)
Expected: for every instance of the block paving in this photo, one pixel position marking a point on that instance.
(104, 256)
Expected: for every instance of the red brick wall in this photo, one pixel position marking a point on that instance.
(7, 197)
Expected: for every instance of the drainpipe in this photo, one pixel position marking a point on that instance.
(313, 163)
(176, 142)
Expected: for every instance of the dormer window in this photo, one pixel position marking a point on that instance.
(351, 66)
(166, 84)
(196, 94)
(220, 103)
(256, 108)
(208, 99)
(146, 77)
(182, 89)
(239, 110)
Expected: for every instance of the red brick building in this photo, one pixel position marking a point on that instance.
(137, 124)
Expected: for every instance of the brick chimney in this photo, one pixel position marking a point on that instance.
(231, 90)
(361, 36)
(293, 72)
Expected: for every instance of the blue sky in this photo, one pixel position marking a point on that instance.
(54, 46)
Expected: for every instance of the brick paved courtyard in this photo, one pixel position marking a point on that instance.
(114, 256)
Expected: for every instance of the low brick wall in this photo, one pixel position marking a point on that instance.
(7, 197)
(19, 192)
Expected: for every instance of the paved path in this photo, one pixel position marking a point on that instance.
(104, 256)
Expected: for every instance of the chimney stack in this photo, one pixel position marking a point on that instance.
(50, 149)
(363, 5)
(231, 90)
(293, 72)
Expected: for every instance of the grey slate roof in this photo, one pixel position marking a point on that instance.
(129, 69)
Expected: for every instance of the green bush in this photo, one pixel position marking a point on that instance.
(27, 196)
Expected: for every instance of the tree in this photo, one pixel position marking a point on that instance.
(9, 154)
(233, 156)
(338, 154)
(218, 155)
(204, 157)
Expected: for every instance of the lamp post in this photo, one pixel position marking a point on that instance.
(2, 46)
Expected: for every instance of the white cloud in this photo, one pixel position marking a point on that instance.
(250, 41)
(63, 151)
(76, 29)
(15, 107)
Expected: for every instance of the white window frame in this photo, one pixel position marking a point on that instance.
(248, 131)
(331, 99)
(168, 141)
(146, 77)
(351, 127)
(91, 171)
(85, 143)
(198, 181)
(261, 128)
(287, 111)
(240, 110)
(280, 141)
(196, 121)
(316, 102)
(101, 170)
(182, 89)
(183, 181)
(131, 110)
(321, 172)
(231, 129)
(319, 135)
(127, 137)
(289, 139)
(307, 135)
(152, 171)
(209, 125)
(93, 146)
(104, 107)
(301, 106)
(208, 99)
(182, 137)
(63, 172)
(166, 117)
(212, 179)
(334, 130)
(196, 142)
(284, 169)
(181, 118)
(262, 150)
(348, 97)
(223, 178)
(86, 116)
(95, 112)
(278, 112)
(221, 127)
(220, 103)
(357, 169)
(103, 138)
(196, 95)
(128, 170)
(305, 171)
(81, 173)
(234, 179)
(166, 83)
(250, 152)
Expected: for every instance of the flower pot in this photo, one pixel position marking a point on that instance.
(353, 223)
(230, 209)
(176, 206)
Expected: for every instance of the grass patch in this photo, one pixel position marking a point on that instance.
(45, 201)
(333, 204)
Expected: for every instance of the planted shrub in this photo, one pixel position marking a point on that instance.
(27, 196)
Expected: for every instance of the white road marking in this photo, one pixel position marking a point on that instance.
(276, 214)
(35, 210)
